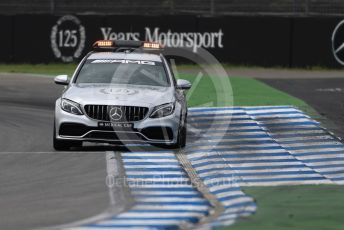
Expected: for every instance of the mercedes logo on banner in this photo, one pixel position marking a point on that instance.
(338, 43)
(116, 113)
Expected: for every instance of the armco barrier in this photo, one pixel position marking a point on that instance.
(311, 41)
(6, 38)
(250, 40)
(31, 41)
(263, 41)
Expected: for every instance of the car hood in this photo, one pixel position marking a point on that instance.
(111, 94)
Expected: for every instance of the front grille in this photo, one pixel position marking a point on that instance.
(129, 113)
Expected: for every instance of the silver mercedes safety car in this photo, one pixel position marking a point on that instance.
(121, 92)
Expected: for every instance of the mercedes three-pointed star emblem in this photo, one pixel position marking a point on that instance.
(116, 113)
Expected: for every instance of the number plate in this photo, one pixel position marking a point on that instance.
(116, 126)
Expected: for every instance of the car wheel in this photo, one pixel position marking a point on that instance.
(63, 144)
(181, 139)
(182, 136)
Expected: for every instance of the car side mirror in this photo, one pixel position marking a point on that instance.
(61, 80)
(183, 84)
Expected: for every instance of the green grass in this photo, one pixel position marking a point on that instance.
(245, 92)
(47, 69)
(282, 207)
(295, 207)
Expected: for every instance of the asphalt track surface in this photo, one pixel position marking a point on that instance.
(326, 95)
(40, 187)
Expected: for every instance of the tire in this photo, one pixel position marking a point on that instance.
(61, 145)
(181, 139)
(182, 142)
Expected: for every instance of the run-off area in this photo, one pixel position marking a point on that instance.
(228, 148)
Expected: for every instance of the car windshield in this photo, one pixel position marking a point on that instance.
(130, 72)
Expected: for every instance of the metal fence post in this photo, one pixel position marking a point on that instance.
(212, 7)
(171, 6)
(307, 7)
(52, 6)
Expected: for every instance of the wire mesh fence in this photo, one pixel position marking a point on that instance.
(163, 7)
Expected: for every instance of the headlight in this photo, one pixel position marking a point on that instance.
(71, 107)
(162, 110)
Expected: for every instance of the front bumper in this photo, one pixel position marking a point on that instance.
(149, 130)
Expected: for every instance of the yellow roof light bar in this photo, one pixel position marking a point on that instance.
(130, 45)
(152, 45)
(103, 44)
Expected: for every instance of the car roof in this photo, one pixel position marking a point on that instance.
(129, 56)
